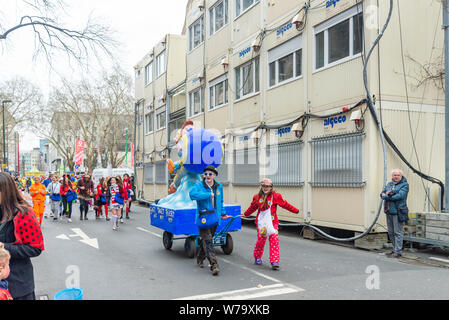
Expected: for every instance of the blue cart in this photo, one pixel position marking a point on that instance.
(180, 225)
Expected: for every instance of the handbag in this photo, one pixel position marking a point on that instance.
(207, 219)
(119, 198)
(71, 196)
(55, 197)
(102, 199)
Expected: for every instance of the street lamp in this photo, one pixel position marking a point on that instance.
(4, 140)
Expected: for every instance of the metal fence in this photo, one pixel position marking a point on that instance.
(149, 173)
(246, 167)
(337, 161)
(161, 172)
(283, 164)
(223, 169)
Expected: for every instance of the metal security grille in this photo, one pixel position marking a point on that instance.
(337, 161)
(246, 167)
(149, 173)
(223, 170)
(283, 164)
(161, 172)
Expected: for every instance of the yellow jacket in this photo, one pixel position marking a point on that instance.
(38, 192)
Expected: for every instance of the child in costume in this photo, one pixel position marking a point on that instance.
(266, 202)
(37, 193)
(4, 273)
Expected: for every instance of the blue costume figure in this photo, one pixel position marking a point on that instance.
(197, 149)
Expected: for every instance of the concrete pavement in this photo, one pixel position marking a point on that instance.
(131, 263)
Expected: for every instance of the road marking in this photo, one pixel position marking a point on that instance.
(439, 259)
(250, 293)
(147, 231)
(93, 242)
(253, 271)
(63, 237)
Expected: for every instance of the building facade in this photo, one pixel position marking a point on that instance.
(160, 111)
(283, 85)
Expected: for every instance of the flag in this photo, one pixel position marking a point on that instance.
(79, 151)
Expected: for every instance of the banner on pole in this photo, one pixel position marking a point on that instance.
(79, 151)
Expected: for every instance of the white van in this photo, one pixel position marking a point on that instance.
(97, 174)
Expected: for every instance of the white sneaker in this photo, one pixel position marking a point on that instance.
(69, 220)
(114, 227)
(121, 220)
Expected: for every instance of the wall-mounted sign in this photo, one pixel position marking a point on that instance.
(330, 3)
(283, 29)
(284, 130)
(334, 121)
(244, 52)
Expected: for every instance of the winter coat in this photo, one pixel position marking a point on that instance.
(23, 238)
(88, 189)
(65, 189)
(399, 197)
(202, 193)
(274, 199)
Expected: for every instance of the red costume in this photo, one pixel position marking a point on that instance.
(273, 200)
(101, 192)
(27, 230)
(5, 295)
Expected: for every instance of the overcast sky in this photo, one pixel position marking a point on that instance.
(139, 25)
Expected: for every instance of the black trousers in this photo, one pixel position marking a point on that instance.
(66, 207)
(207, 246)
(84, 207)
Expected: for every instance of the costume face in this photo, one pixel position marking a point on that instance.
(210, 176)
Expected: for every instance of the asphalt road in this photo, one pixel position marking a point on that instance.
(131, 263)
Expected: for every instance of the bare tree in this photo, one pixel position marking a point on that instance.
(52, 37)
(96, 111)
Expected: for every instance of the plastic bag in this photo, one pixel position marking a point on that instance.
(265, 223)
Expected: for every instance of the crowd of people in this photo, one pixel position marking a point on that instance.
(53, 196)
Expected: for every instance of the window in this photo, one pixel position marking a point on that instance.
(284, 164)
(149, 73)
(339, 38)
(196, 102)
(242, 5)
(337, 161)
(218, 92)
(218, 16)
(285, 61)
(160, 64)
(247, 78)
(196, 33)
(161, 118)
(149, 122)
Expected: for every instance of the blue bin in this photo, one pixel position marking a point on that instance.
(69, 294)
